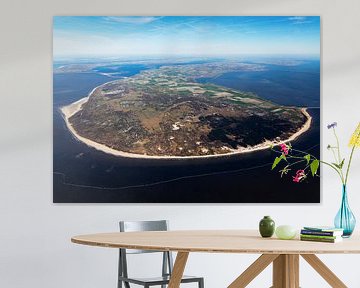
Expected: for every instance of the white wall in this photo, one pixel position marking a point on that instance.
(35, 248)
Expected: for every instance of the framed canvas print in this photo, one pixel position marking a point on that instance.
(157, 109)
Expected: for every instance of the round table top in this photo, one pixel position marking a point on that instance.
(217, 241)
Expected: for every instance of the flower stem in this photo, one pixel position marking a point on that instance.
(348, 167)
(350, 159)
(337, 170)
(297, 162)
(339, 155)
(338, 145)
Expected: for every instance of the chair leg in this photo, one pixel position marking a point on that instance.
(119, 271)
(201, 283)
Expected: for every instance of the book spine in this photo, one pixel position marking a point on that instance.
(318, 239)
(319, 236)
(319, 233)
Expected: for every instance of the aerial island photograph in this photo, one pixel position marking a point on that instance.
(183, 109)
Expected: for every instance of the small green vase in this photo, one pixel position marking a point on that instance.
(267, 227)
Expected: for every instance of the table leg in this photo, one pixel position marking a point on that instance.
(286, 271)
(254, 270)
(324, 271)
(178, 269)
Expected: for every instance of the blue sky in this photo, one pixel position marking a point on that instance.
(121, 36)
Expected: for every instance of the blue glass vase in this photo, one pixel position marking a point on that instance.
(345, 219)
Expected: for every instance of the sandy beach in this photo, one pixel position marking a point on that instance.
(68, 111)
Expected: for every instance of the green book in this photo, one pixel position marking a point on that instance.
(319, 236)
(325, 240)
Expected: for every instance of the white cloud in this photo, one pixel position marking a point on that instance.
(132, 19)
(299, 20)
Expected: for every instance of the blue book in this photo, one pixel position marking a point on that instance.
(322, 231)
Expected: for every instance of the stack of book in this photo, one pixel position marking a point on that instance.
(321, 234)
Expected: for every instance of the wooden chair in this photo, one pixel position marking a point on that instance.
(167, 263)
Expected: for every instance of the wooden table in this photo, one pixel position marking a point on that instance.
(284, 254)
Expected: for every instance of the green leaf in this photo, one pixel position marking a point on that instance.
(339, 166)
(314, 166)
(342, 164)
(307, 157)
(277, 161)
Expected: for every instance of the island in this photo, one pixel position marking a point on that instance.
(173, 112)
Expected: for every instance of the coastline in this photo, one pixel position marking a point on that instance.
(71, 109)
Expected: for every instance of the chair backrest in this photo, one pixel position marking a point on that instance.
(137, 226)
(133, 226)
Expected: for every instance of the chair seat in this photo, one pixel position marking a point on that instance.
(158, 280)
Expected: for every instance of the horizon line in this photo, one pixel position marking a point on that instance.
(133, 56)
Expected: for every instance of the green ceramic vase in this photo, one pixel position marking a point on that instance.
(267, 227)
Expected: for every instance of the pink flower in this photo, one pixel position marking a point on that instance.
(284, 149)
(300, 172)
(300, 175)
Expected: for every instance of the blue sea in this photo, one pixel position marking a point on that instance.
(83, 174)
